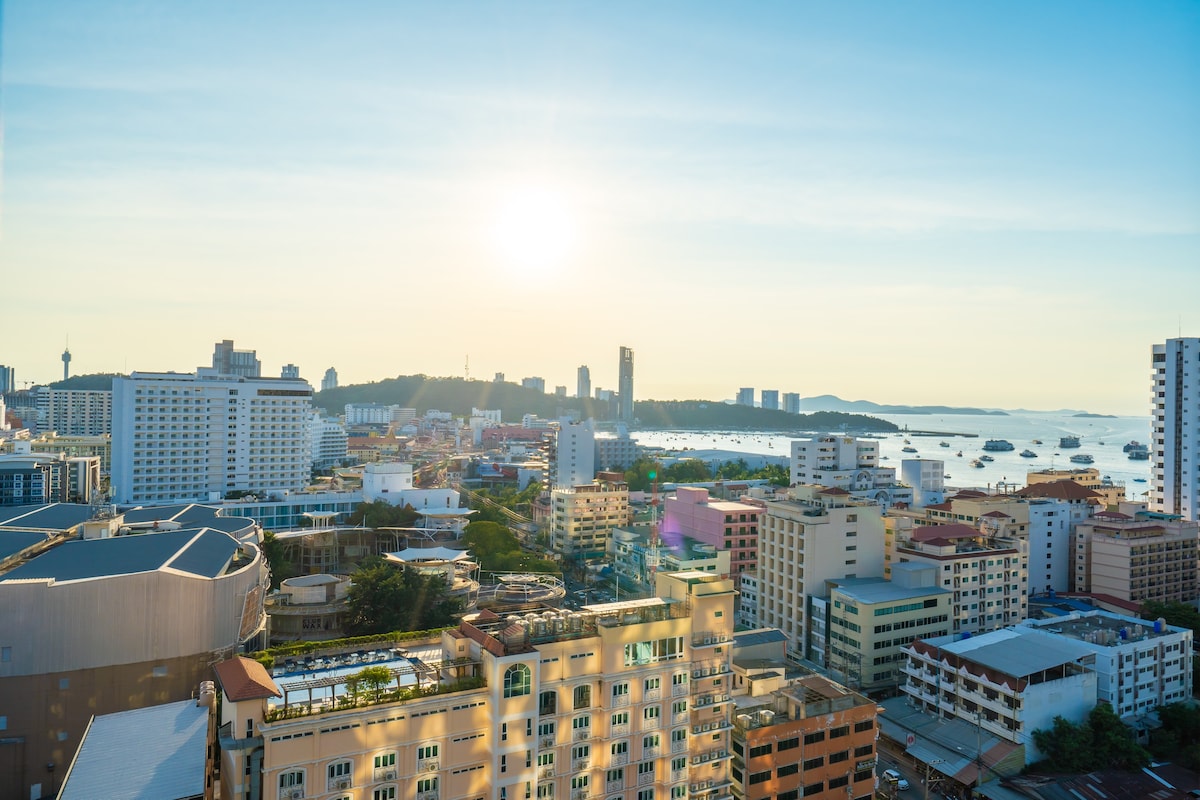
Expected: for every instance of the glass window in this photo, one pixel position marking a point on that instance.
(517, 681)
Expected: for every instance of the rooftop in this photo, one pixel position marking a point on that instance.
(1001, 651)
(870, 591)
(1102, 628)
(245, 679)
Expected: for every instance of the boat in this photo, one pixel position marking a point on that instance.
(986, 458)
(1027, 454)
(908, 449)
(1142, 453)
(1036, 441)
(1082, 458)
(1068, 441)
(1133, 445)
(1139, 480)
(943, 444)
(998, 445)
(947, 475)
(975, 462)
(959, 454)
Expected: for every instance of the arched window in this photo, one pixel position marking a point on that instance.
(517, 681)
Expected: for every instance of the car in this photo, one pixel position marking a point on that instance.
(895, 778)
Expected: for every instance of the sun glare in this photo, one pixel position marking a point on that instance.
(533, 229)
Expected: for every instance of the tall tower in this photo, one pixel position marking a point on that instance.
(625, 386)
(66, 359)
(330, 381)
(1175, 487)
(583, 382)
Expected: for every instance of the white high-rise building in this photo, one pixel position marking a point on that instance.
(791, 402)
(574, 458)
(1175, 447)
(180, 437)
(583, 382)
(327, 441)
(74, 412)
(847, 463)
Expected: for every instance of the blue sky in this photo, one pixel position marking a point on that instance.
(988, 204)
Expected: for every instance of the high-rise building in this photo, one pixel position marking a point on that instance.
(770, 399)
(573, 458)
(745, 396)
(791, 402)
(8, 379)
(583, 517)
(534, 382)
(228, 361)
(181, 437)
(330, 381)
(289, 371)
(583, 382)
(625, 385)
(1175, 487)
(74, 412)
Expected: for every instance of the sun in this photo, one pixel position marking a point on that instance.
(534, 230)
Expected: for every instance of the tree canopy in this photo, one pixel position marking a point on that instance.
(384, 598)
(693, 470)
(1102, 741)
(380, 514)
(497, 550)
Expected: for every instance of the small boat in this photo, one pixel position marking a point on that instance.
(998, 445)
(947, 476)
(943, 444)
(1082, 458)
(1139, 480)
(906, 441)
(1141, 454)
(908, 449)
(1028, 454)
(986, 458)
(975, 462)
(1068, 441)
(1036, 441)
(959, 454)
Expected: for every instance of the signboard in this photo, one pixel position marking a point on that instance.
(868, 764)
(910, 740)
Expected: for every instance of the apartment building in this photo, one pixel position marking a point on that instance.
(845, 462)
(1140, 665)
(859, 628)
(572, 455)
(811, 535)
(1175, 446)
(1001, 683)
(582, 517)
(813, 738)
(1147, 557)
(729, 525)
(627, 700)
(200, 437)
(987, 574)
(636, 558)
(74, 412)
(1108, 492)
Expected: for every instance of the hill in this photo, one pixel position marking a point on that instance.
(828, 402)
(459, 396)
(92, 382)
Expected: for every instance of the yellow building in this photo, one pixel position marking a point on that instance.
(582, 517)
(628, 699)
(1112, 492)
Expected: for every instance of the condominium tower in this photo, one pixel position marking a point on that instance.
(625, 385)
(583, 383)
(1175, 446)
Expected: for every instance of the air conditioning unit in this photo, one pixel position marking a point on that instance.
(432, 765)
(390, 775)
(581, 765)
(296, 794)
(344, 783)
(583, 734)
(708, 640)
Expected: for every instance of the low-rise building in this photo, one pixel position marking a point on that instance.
(849, 463)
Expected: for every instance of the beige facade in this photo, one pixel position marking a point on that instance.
(1137, 559)
(814, 535)
(1112, 492)
(627, 699)
(582, 517)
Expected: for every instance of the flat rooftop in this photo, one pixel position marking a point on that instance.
(870, 591)
(1003, 651)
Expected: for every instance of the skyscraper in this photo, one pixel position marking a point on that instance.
(289, 371)
(625, 386)
(330, 381)
(745, 396)
(8, 379)
(770, 399)
(583, 382)
(1175, 487)
(228, 361)
(791, 402)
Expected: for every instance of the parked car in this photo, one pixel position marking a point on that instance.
(894, 777)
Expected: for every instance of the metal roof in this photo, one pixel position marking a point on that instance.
(415, 554)
(169, 742)
(55, 516)
(126, 555)
(13, 542)
(757, 637)
(998, 651)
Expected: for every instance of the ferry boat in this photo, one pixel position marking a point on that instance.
(1133, 445)
(986, 458)
(943, 444)
(1082, 458)
(1140, 453)
(1027, 454)
(975, 462)
(998, 445)
(1068, 441)
(908, 449)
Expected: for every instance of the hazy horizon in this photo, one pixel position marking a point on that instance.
(992, 205)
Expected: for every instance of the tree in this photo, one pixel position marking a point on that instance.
(497, 549)
(385, 598)
(380, 514)
(1100, 742)
(281, 568)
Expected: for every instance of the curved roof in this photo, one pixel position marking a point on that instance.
(415, 554)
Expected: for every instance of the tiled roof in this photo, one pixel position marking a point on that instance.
(835, 490)
(1066, 489)
(245, 679)
(997, 515)
(927, 533)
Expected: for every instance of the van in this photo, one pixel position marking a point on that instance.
(893, 777)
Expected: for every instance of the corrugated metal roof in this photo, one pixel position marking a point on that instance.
(125, 555)
(154, 753)
(13, 542)
(56, 516)
(763, 636)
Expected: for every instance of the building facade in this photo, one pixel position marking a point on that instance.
(228, 361)
(1175, 447)
(582, 517)
(1152, 557)
(182, 437)
(847, 463)
(573, 456)
(625, 385)
(74, 412)
(745, 396)
(583, 382)
(791, 402)
(770, 399)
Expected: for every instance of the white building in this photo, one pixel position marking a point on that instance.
(813, 535)
(1001, 684)
(573, 459)
(326, 440)
(926, 477)
(1139, 665)
(747, 600)
(770, 399)
(74, 412)
(330, 380)
(180, 437)
(791, 402)
(392, 482)
(367, 414)
(1175, 448)
(847, 463)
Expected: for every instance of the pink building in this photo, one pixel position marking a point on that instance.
(727, 524)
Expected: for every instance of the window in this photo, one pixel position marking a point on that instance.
(385, 793)
(649, 742)
(615, 775)
(759, 777)
(651, 712)
(547, 703)
(427, 785)
(620, 690)
(546, 729)
(546, 759)
(428, 751)
(292, 779)
(787, 769)
(579, 782)
(517, 681)
(813, 738)
(760, 750)
(645, 794)
(837, 758)
(581, 723)
(814, 763)
(679, 707)
(652, 683)
(788, 744)
(385, 760)
(580, 752)
(645, 768)
(620, 748)
(583, 696)
(837, 733)
(340, 769)
(865, 725)
(620, 718)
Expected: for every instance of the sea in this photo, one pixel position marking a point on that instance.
(1100, 437)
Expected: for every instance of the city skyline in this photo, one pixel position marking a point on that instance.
(991, 206)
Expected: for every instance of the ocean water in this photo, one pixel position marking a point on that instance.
(1101, 438)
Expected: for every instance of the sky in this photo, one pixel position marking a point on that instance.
(986, 204)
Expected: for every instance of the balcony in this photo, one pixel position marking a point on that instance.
(680, 746)
(652, 694)
(645, 779)
(618, 759)
(432, 795)
(292, 793)
(428, 765)
(546, 771)
(620, 729)
(382, 774)
(619, 701)
(339, 784)
(546, 740)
